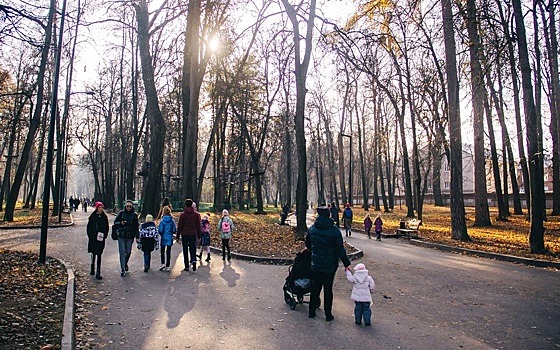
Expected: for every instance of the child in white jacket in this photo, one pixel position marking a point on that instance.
(361, 293)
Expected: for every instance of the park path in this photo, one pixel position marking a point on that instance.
(425, 299)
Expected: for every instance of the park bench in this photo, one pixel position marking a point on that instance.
(410, 229)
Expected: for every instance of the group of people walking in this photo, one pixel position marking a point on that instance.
(190, 231)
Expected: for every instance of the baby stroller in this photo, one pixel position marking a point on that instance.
(299, 280)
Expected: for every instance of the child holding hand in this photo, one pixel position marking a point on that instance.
(361, 293)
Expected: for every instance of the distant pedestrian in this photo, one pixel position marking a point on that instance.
(334, 211)
(367, 225)
(347, 217)
(188, 230)
(361, 293)
(167, 230)
(165, 203)
(325, 242)
(225, 227)
(205, 240)
(378, 223)
(126, 232)
(97, 231)
(149, 239)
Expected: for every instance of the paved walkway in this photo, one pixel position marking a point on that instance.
(425, 299)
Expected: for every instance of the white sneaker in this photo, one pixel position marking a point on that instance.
(162, 267)
(167, 269)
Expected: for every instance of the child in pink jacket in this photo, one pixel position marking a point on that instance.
(361, 293)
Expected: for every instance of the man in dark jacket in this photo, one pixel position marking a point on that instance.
(325, 242)
(188, 229)
(334, 214)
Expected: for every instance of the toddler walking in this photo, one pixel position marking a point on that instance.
(361, 293)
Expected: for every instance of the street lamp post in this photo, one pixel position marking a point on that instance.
(350, 183)
(49, 160)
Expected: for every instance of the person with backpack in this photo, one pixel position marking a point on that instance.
(188, 230)
(97, 231)
(225, 227)
(205, 240)
(166, 229)
(347, 216)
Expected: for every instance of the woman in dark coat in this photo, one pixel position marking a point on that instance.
(97, 231)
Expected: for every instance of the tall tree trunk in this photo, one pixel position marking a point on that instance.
(152, 189)
(482, 213)
(190, 100)
(301, 67)
(458, 222)
(552, 55)
(35, 121)
(502, 212)
(536, 237)
(517, 106)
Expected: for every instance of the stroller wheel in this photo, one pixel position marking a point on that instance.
(292, 304)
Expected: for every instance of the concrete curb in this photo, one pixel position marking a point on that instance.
(37, 226)
(488, 255)
(277, 261)
(68, 337)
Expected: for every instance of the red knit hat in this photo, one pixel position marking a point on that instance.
(98, 204)
(347, 205)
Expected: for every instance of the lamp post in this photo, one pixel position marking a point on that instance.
(349, 169)
(50, 142)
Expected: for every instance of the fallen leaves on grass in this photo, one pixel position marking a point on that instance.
(33, 217)
(260, 235)
(32, 302)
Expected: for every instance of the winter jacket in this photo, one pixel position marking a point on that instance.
(363, 285)
(97, 223)
(367, 224)
(225, 235)
(334, 213)
(149, 236)
(378, 224)
(128, 221)
(325, 241)
(167, 229)
(189, 223)
(347, 217)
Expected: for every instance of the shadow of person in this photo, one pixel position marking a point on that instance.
(229, 274)
(182, 291)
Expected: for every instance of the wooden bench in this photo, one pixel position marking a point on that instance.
(411, 228)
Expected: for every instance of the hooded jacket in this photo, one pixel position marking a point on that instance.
(363, 284)
(225, 235)
(167, 229)
(189, 223)
(325, 242)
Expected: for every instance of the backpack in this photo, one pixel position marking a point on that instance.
(226, 228)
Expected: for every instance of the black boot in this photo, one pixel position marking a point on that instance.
(208, 257)
(98, 275)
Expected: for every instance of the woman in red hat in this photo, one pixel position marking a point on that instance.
(97, 231)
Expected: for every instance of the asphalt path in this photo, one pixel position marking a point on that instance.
(425, 299)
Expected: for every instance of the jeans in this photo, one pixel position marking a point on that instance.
(189, 246)
(125, 249)
(147, 258)
(166, 253)
(362, 308)
(320, 280)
